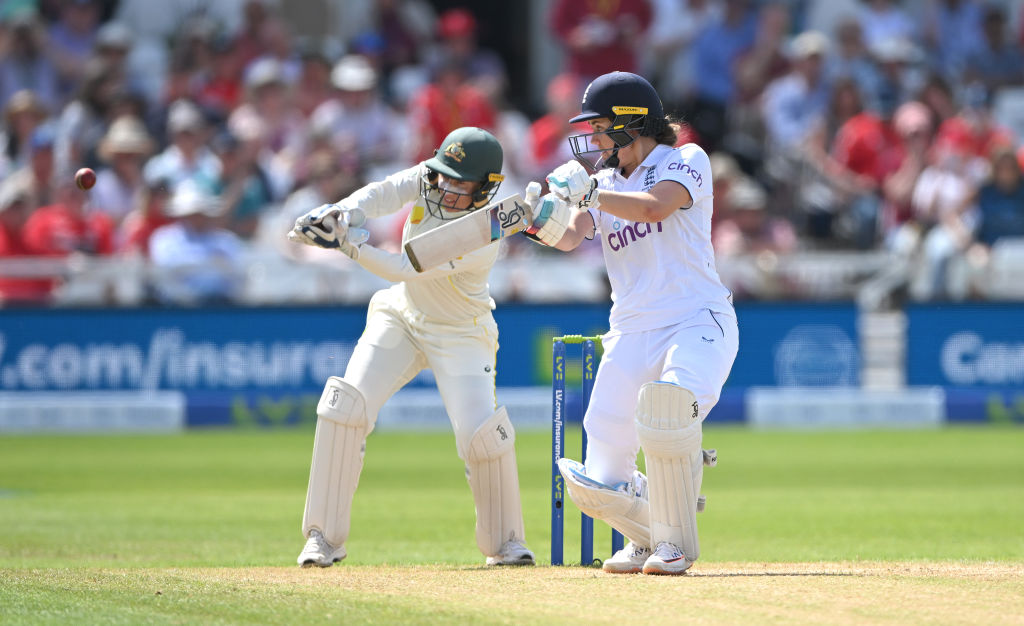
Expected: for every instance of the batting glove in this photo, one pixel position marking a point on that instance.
(573, 185)
(551, 217)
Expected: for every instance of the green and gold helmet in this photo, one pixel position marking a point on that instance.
(466, 154)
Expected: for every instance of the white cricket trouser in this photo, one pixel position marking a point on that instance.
(394, 347)
(696, 355)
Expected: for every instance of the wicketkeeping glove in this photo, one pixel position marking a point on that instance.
(571, 183)
(330, 227)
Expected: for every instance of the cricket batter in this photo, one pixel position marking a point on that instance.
(673, 335)
(438, 319)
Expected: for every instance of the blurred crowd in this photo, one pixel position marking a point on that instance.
(833, 125)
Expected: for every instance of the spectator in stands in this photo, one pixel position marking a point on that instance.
(198, 261)
(220, 89)
(884, 20)
(68, 226)
(23, 113)
(898, 63)
(457, 40)
(149, 215)
(943, 217)
(356, 117)
(999, 202)
(600, 37)
(124, 150)
(268, 100)
(900, 228)
(445, 104)
(1000, 210)
(394, 33)
(793, 103)
(768, 59)
(869, 150)
(998, 61)
(71, 40)
(15, 208)
(249, 41)
(675, 25)
(742, 224)
(25, 64)
(810, 182)
(952, 33)
(937, 95)
(716, 50)
(851, 59)
(548, 135)
(187, 156)
(313, 86)
(244, 187)
(84, 121)
(279, 46)
(975, 129)
(35, 178)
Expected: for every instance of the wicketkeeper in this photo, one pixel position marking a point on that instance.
(439, 319)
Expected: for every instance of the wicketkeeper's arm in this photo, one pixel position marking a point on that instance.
(387, 196)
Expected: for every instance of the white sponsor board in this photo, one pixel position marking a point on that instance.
(92, 411)
(843, 407)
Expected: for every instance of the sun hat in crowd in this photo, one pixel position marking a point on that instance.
(353, 72)
(126, 135)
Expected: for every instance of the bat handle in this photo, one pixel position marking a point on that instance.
(532, 193)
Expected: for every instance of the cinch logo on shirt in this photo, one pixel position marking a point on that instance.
(683, 167)
(622, 238)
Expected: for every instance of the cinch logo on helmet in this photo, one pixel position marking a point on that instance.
(629, 110)
(455, 151)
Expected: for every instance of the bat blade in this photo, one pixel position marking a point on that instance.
(468, 233)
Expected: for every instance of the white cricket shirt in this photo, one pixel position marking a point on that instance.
(452, 293)
(662, 273)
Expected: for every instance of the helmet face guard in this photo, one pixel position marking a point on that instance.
(467, 154)
(628, 124)
(434, 192)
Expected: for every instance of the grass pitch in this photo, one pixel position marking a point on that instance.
(908, 526)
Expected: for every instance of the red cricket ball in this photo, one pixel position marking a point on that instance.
(85, 178)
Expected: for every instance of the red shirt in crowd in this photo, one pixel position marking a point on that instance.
(976, 141)
(57, 230)
(437, 113)
(25, 290)
(615, 25)
(869, 147)
(137, 229)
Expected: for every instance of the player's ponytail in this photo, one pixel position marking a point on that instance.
(666, 130)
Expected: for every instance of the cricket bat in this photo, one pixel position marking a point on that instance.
(471, 232)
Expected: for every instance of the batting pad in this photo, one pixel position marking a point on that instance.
(669, 429)
(494, 480)
(625, 512)
(341, 429)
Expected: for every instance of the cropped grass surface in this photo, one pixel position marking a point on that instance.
(204, 527)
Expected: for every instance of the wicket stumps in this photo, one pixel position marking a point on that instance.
(558, 417)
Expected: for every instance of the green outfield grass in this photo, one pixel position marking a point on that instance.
(90, 526)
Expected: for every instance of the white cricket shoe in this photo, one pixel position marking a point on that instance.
(629, 560)
(513, 552)
(667, 559)
(319, 552)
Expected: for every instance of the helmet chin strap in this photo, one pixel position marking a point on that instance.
(613, 160)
